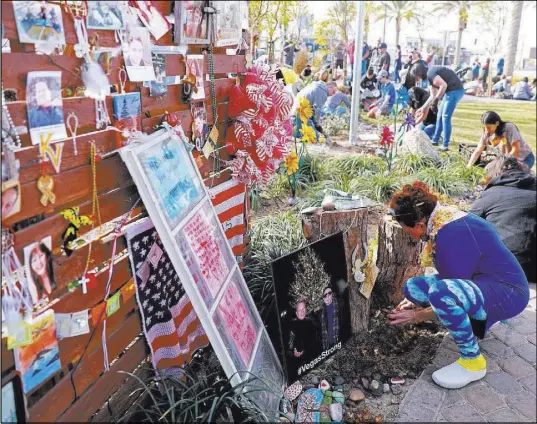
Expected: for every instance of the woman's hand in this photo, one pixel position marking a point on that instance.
(404, 304)
(408, 316)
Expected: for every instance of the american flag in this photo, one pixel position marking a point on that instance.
(228, 201)
(171, 326)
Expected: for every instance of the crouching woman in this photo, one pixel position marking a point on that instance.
(479, 281)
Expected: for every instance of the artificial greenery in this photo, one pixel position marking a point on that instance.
(310, 279)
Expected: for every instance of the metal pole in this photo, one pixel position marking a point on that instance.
(357, 73)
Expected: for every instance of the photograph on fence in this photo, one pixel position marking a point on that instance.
(137, 55)
(173, 179)
(39, 22)
(41, 359)
(11, 198)
(127, 111)
(194, 66)
(313, 304)
(228, 23)
(40, 270)
(192, 24)
(45, 106)
(105, 15)
(157, 24)
(158, 87)
(13, 409)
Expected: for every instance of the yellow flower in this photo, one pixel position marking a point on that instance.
(321, 138)
(291, 163)
(304, 109)
(308, 134)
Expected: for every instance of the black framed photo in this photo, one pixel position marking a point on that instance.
(13, 409)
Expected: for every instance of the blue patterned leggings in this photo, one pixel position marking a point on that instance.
(454, 302)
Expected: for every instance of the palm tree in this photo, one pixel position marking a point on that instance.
(369, 14)
(400, 11)
(512, 43)
(462, 8)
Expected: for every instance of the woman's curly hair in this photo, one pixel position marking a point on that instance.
(413, 203)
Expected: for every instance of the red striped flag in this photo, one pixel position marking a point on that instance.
(228, 200)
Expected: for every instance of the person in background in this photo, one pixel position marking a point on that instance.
(330, 319)
(375, 57)
(340, 55)
(445, 85)
(509, 203)
(505, 136)
(384, 63)
(521, 90)
(384, 105)
(418, 96)
(398, 64)
(485, 75)
(479, 281)
(289, 50)
(333, 103)
(302, 335)
(499, 66)
(365, 55)
(534, 88)
(350, 52)
(474, 88)
(369, 87)
(476, 66)
(415, 58)
(502, 88)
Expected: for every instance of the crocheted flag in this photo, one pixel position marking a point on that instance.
(171, 326)
(228, 200)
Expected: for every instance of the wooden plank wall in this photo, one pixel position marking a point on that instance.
(56, 399)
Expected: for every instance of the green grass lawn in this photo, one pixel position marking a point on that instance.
(467, 119)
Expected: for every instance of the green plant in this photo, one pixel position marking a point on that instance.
(472, 176)
(412, 163)
(378, 187)
(442, 180)
(310, 278)
(355, 165)
(277, 187)
(333, 124)
(196, 398)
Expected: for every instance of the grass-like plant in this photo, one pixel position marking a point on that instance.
(412, 163)
(378, 187)
(442, 180)
(355, 165)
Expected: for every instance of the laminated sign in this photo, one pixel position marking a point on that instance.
(180, 207)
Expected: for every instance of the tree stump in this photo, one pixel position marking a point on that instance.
(398, 260)
(358, 227)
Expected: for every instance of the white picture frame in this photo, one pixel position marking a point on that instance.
(227, 23)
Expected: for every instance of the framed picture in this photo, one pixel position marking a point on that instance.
(11, 198)
(127, 111)
(105, 15)
(158, 87)
(194, 66)
(13, 410)
(178, 204)
(137, 55)
(311, 285)
(39, 270)
(192, 25)
(45, 106)
(228, 23)
(38, 22)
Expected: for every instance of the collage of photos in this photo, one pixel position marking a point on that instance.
(313, 304)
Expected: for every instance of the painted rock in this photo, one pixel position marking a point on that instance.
(315, 380)
(397, 389)
(338, 381)
(338, 397)
(327, 399)
(309, 404)
(356, 395)
(293, 391)
(385, 387)
(324, 385)
(397, 380)
(325, 413)
(336, 411)
(375, 387)
(365, 383)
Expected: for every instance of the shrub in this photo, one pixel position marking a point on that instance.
(378, 187)
(334, 124)
(356, 165)
(442, 180)
(412, 163)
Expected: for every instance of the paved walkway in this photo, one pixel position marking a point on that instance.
(506, 394)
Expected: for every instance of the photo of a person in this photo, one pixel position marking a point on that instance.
(137, 55)
(329, 319)
(38, 22)
(157, 24)
(40, 272)
(104, 15)
(303, 335)
(194, 65)
(228, 23)
(193, 27)
(158, 87)
(43, 110)
(11, 198)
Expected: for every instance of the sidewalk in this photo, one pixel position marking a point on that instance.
(506, 394)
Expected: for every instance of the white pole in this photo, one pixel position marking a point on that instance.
(357, 74)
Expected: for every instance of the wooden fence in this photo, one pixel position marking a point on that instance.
(69, 396)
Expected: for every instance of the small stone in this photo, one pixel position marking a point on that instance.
(338, 388)
(329, 206)
(356, 395)
(397, 389)
(396, 400)
(375, 387)
(315, 380)
(338, 397)
(324, 385)
(291, 201)
(338, 381)
(385, 387)
(397, 380)
(365, 383)
(336, 412)
(377, 377)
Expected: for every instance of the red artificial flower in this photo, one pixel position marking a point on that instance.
(386, 137)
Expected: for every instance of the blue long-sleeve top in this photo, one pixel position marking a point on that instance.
(335, 100)
(470, 248)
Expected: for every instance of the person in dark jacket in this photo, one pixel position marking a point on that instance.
(509, 204)
(418, 96)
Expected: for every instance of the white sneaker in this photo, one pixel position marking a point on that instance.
(455, 376)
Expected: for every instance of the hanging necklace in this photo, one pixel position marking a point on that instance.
(10, 135)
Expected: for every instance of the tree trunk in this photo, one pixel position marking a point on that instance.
(398, 259)
(358, 226)
(397, 30)
(459, 40)
(512, 42)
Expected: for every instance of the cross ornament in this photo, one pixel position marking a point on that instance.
(84, 281)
